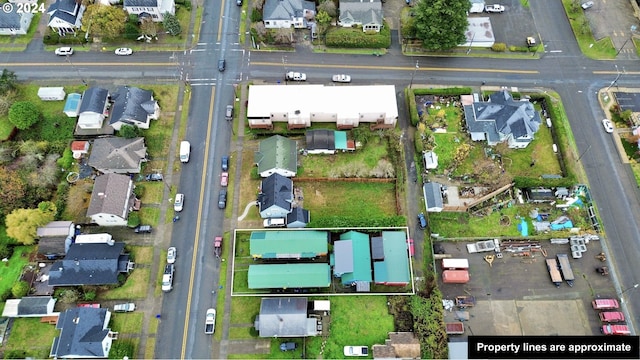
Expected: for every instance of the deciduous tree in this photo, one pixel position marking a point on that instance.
(23, 114)
(14, 190)
(22, 224)
(8, 81)
(441, 24)
(103, 20)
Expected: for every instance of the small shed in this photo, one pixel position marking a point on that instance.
(51, 93)
(72, 105)
(430, 160)
(79, 148)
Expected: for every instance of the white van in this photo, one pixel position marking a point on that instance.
(275, 222)
(185, 151)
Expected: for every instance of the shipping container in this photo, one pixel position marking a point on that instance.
(455, 276)
(455, 264)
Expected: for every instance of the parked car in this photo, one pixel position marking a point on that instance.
(412, 249)
(224, 179)
(295, 76)
(225, 163)
(494, 8)
(222, 199)
(605, 304)
(64, 51)
(228, 114)
(239, 2)
(608, 126)
(142, 229)
(587, 5)
(123, 51)
(531, 41)
(154, 177)
(342, 78)
(210, 322)
(178, 203)
(167, 277)
(221, 65)
(356, 351)
(611, 316)
(615, 330)
(128, 307)
(423, 221)
(172, 254)
(288, 346)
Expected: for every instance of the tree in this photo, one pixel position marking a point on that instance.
(148, 27)
(22, 224)
(128, 131)
(14, 190)
(102, 20)
(329, 7)
(8, 81)
(20, 289)
(323, 20)
(283, 35)
(441, 24)
(23, 114)
(171, 24)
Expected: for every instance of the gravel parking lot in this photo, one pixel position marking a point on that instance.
(515, 295)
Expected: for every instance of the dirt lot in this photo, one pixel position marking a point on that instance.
(516, 297)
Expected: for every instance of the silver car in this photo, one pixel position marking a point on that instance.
(178, 203)
(171, 255)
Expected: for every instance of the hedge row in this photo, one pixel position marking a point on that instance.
(356, 38)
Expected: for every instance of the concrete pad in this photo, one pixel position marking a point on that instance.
(564, 317)
(249, 346)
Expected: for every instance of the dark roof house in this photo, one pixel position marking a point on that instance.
(14, 23)
(93, 108)
(320, 142)
(84, 333)
(275, 197)
(65, 15)
(133, 106)
(111, 200)
(285, 317)
(118, 155)
(90, 264)
(298, 218)
(277, 154)
(502, 119)
(154, 9)
(367, 14)
(433, 200)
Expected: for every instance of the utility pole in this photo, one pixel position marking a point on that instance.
(414, 74)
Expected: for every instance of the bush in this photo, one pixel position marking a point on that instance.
(131, 31)
(138, 191)
(66, 160)
(256, 15)
(134, 219)
(129, 131)
(499, 47)
(89, 295)
(20, 289)
(444, 91)
(356, 38)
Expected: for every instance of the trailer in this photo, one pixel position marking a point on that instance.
(552, 266)
(465, 301)
(451, 264)
(565, 267)
(482, 246)
(454, 328)
(455, 276)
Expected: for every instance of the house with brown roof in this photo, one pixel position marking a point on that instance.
(111, 200)
(403, 345)
(118, 155)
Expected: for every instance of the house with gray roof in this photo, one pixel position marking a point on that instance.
(111, 200)
(285, 317)
(84, 333)
(91, 264)
(65, 16)
(277, 154)
(12, 23)
(133, 106)
(275, 197)
(367, 14)
(93, 108)
(502, 119)
(118, 155)
(278, 14)
(54, 238)
(154, 9)
(298, 218)
(433, 200)
(29, 306)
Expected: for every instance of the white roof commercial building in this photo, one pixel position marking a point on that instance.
(301, 105)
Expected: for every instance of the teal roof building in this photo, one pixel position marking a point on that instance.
(393, 269)
(289, 276)
(352, 258)
(291, 244)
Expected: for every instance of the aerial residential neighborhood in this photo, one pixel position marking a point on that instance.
(318, 179)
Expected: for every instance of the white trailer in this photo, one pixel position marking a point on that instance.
(451, 264)
(51, 93)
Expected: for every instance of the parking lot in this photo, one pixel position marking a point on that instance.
(515, 295)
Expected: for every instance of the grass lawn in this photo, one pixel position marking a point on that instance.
(349, 199)
(158, 136)
(600, 49)
(141, 254)
(134, 288)
(331, 165)
(150, 215)
(244, 309)
(22, 338)
(11, 270)
(153, 192)
(127, 323)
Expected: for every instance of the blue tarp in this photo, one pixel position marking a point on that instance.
(565, 225)
(523, 228)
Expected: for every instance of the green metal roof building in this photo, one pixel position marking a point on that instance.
(289, 276)
(394, 268)
(352, 255)
(277, 154)
(291, 244)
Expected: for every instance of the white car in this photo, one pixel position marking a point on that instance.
(178, 203)
(356, 351)
(210, 322)
(171, 255)
(295, 76)
(342, 78)
(64, 51)
(608, 126)
(587, 5)
(123, 51)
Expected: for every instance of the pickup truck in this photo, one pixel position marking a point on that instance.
(210, 322)
(128, 307)
(295, 76)
(495, 8)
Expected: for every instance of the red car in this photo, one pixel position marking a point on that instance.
(224, 179)
(217, 246)
(412, 249)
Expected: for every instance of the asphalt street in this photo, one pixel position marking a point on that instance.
(561, 68)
